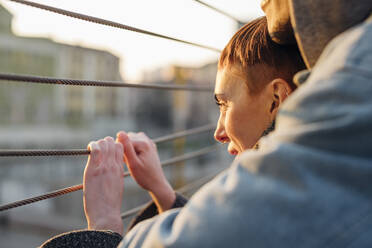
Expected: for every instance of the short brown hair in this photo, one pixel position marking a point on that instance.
(252, 45)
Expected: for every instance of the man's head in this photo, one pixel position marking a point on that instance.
(313, 23)
(254, 77)
(278, 20)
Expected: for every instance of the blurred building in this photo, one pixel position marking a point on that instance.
(23, 103)
(201, 105)
(50, 116)
(184, 109)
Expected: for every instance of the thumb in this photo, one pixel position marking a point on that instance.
(94, 157)
(93, 160)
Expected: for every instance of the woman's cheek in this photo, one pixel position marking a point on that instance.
(227, 122)
(234, 125)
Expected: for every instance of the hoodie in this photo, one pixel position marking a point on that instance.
(317, 22)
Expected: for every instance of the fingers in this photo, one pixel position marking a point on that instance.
(147, 139)
(119, 157)
(127, 146)
(103, 147)
(110, 144)
(140, 142)
(129, 152)
(119, 152)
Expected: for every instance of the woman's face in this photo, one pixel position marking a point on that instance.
(243, 116)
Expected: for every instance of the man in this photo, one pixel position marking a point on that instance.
(309, 184)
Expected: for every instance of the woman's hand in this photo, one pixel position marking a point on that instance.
(104, 185)
(141, 157)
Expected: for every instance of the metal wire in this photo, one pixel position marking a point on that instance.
(74, 152)
(184, 133)
(183, 190)
(41, 197)
(80, 82)
(80, 186)
(219, 11)
(107, 23)
(33, 153)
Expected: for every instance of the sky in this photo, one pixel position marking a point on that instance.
(183, 19)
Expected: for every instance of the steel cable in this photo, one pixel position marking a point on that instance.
(107, 23)
(219, 11)
(80, 82)
(80, 186)
(74, 152)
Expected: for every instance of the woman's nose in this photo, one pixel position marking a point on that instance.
(220, 134)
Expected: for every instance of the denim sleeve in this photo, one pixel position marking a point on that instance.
(310, 183)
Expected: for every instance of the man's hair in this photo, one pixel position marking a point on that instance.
(252, 45)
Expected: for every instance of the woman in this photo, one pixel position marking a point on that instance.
(254, 78)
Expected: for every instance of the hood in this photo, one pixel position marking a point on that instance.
(316, 22)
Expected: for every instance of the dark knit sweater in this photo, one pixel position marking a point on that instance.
(104, 238)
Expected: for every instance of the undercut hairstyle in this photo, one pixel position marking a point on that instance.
(252, 45)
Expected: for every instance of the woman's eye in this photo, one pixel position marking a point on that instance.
(221, 105)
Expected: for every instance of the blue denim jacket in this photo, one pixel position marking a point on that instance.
(310, 184)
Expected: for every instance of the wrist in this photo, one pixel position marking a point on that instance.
(164, 197)
(112, 223)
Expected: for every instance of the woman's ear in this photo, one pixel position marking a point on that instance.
(280, 90)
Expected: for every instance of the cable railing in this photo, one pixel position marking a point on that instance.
(108, 23)
(4, 77)
(74, 188)
(75, 152)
